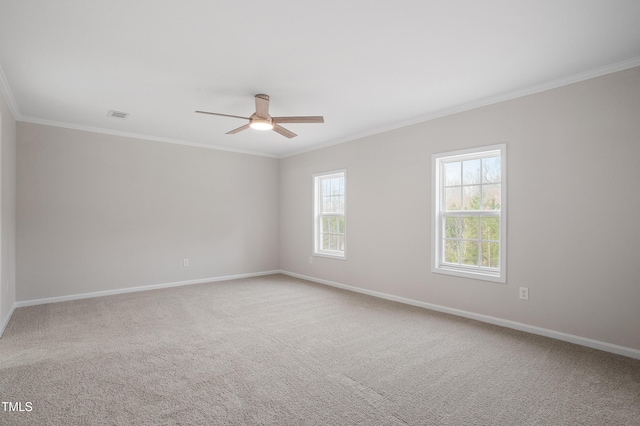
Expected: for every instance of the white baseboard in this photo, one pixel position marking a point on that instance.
(595, 344)
(5, 321)
(43, 301)
(591, 343)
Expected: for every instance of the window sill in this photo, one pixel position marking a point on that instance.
(331, 256)
(477, 275)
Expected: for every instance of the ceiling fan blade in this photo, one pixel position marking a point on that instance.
(262, 106)
(310, 119)
(239, 129)
(283, 131)
(221, 115)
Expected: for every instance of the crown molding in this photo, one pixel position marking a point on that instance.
(553, 84)
(8, 96)
(141, 136)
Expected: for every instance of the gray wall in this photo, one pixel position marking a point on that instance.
(573, 227)
(99, 212)
(7, 213)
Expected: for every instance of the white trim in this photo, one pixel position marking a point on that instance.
(43, 301)
(331, 256)
(8, 96)
(5, 89)
(5, 322)
(142, 136)
(564, 81)
(543, 87)
(583, 341)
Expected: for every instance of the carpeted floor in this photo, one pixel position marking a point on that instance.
(278, 350)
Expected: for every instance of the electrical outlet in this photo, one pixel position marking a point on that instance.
(310, 259)
(524, 293)
(185, 262)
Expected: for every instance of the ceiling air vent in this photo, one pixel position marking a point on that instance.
(118, 114)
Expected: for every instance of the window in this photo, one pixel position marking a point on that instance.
(329, 214)
(469, 217)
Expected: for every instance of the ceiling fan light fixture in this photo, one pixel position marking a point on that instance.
(261, 120)
(261, 124)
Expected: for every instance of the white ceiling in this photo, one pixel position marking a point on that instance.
(367, 66)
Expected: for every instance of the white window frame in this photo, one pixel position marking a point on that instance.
(317, 214)
(437, 224)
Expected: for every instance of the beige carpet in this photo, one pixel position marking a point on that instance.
(278, 350)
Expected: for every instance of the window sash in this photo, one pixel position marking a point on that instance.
(477, 239)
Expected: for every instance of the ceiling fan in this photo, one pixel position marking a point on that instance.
(261, 119)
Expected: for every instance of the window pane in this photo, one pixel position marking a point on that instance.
(340, 242)
(333, 204)
(470, 227)
(335, 186)
(325, 241)
(453, 227)
(491, 170)
(334, 225)
(490, 228)
(453, 198)
(452, 172)
(333, 242)
(325, 225)
(341, 225)
(452, 251)
(491, 255)
(326, 204)
(471, 198)
(491, 197)
(341, 185)
(471, 172)
(469, 252)
(326, 187)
